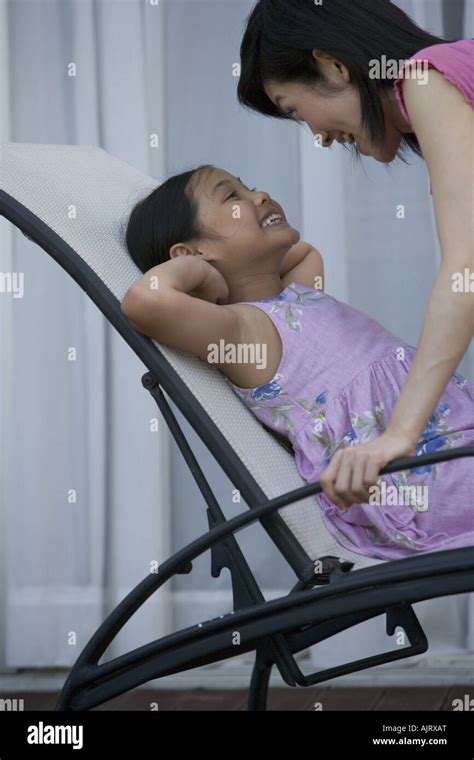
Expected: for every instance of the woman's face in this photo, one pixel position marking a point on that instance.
(335, 116)
(240, 217)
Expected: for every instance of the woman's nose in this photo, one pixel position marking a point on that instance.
(325, 139)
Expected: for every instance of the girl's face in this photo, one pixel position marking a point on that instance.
(242, 218)
(335, 116)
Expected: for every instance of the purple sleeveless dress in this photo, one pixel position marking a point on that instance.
(337, 384)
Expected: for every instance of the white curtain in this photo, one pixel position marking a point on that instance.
(6, 259)
(85, 485)
(384, 266)
(469, 19)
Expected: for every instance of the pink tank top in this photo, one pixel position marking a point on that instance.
(454, 60)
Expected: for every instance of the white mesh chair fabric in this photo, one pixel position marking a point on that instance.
(48, 179)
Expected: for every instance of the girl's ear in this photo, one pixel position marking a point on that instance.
(178, 249)
(333, 68)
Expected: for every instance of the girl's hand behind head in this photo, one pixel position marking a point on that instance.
(213, 287)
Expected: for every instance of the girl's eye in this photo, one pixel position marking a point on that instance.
(234, 192)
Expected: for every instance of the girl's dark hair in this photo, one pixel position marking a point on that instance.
(281, 34)
(166, 216)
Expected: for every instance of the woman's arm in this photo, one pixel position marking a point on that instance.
(304, 265)
(444, 125)
(175, 303)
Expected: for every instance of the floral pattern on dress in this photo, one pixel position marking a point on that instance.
(314, 406)
(292, 310)
(268, 391)
(371, 423)
(461, 382)
(435, 437)
(258, 398)
(326, 441)
(380, 539)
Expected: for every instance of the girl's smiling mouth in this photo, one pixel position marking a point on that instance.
(274, 220)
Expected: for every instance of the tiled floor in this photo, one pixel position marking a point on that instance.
(388, 698)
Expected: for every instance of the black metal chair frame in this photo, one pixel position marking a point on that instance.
(329, 597)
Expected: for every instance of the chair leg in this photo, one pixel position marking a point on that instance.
(258, 691)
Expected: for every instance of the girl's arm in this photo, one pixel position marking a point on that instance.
(175, 303)
(304, 265)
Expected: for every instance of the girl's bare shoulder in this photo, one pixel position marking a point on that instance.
(257, 332)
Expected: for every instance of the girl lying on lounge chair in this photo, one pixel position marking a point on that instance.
(227, 279)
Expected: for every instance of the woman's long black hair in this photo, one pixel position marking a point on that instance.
(281, 34)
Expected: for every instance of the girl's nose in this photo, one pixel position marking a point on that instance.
(262, 196)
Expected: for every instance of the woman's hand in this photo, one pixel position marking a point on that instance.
(353, 470)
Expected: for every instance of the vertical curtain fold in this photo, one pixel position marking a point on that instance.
(86, 492)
